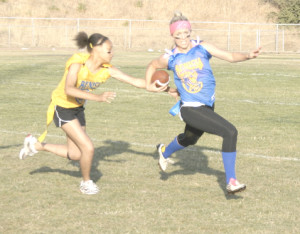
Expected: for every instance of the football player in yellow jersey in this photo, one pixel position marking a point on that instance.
(84, 72)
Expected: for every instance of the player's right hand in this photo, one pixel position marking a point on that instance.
(107, 97)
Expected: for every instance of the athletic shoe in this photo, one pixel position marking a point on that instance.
(88, 187)
(28, 149)
(234, 186)
(163, 162)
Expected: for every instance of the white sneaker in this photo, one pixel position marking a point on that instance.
(163, 162)
(28, 149)
(88, 187)
(234, 186)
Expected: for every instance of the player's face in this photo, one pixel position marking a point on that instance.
(182, 38)
(105, 51)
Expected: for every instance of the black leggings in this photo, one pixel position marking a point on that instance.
(203, 119)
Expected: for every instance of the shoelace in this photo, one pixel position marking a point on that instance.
(170, 161)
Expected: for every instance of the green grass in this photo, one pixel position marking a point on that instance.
(40, 194)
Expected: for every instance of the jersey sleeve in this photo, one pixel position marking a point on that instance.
(77, 58)
(205, 52)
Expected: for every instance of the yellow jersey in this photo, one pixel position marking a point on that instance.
(86, 81)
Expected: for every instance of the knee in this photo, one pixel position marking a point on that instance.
(89, 149)
(185, 140)
(76, 154)
(232, 133)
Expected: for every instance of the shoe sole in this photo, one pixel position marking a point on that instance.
(161, 167)
(89, 193)
(157, 148)
(21, 154)
(236, 191)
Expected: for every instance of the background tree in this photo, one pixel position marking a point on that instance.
(289, 11)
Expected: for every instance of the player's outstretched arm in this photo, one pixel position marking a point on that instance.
(232, 57)
(121, 76)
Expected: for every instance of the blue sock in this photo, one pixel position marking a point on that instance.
(172, 147)
(229, 165)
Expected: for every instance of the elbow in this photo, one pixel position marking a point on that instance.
(150, 70)
(232, 59)
(67, 91)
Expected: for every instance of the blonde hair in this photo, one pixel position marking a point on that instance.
(178, 16)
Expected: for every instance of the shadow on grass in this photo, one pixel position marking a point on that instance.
(102, 153)
(191, 161)
(10, 146)
(195, 161)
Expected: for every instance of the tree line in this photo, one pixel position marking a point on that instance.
(288, 11)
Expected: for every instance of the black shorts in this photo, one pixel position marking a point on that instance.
(64, 115)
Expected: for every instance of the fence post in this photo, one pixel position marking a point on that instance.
(240, 41)
(228, 37)
(125, 38)
(129, 36)
(257, 38)
(276, 39)
(33, 32)
(283, 40)
(9, 35)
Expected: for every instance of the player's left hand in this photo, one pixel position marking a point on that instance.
(154, 88)
(254, 53)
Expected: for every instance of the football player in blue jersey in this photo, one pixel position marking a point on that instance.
(195, 82)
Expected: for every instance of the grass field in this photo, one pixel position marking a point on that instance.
(40, 194)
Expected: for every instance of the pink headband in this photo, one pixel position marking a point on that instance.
(179, 25)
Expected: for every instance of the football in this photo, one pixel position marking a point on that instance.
(161, 77)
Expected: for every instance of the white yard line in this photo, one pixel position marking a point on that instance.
(269, 103)
(255, 74)
(191, 149)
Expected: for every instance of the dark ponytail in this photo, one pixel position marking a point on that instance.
(82, 40)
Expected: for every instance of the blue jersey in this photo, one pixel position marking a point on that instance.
(193, 76)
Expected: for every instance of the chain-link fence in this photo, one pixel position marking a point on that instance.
(146, 34)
